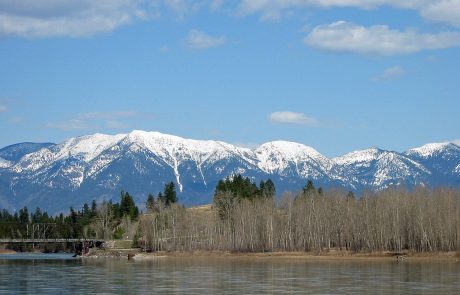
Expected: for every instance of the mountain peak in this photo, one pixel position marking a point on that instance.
(288, 148)
(359, 156)
(430, 149)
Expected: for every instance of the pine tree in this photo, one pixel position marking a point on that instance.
(150, 202)
(309, 190)
(93, 209)
(170, 194)
(24, 215)
(127, 206)
(267, 189)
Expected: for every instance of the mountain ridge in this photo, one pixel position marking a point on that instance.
(98, 166)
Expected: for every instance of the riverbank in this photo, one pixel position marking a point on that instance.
(7, 252)
(330, 255)
(325, 255)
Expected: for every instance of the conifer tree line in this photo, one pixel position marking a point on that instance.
(88, 222)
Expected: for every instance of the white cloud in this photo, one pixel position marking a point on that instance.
(97, 120)
(343, 36)
(287, 117)
(199, 40)
(457, 142)
(184, 8)
(390, 73)
(270, 9)
(445, 11)
(73, 124)
(74, 18)
(109, 115)
(216, 4)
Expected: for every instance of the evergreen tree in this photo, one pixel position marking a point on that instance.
(36, 216)
(127, 206)
(309, 190)
(267, 189)
(170, 194)
(24, 215)
(150, 202)
(93, 209)
(240, 187)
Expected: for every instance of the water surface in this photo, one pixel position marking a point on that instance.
(63, 274)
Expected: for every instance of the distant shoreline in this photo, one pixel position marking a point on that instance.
(331, 255)
(136, 255)
(314, 255)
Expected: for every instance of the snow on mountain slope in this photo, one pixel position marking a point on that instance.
(4, 163)
(84, 148)
(289, 158)
(359, 158)
(101, 165)
(442, 159)
(431, 149)
(15, 152)
(175, 151)
(378, 168)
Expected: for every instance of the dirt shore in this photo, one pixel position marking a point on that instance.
(301, 256)
(330, 255)
(6, 251)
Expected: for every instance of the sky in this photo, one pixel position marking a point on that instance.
(337, 75)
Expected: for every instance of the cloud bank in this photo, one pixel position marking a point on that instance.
(200, 40)
(348, 37)
(73, 18)
(95, 120)
(286, 117)
(442, 11)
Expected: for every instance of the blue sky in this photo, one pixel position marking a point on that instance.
(338, 75)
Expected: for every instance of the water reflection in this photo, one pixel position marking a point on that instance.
(235, 275)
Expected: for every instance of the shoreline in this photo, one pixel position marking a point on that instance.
(331, 255)
(455, 256)
(303, 256)
(7, 252)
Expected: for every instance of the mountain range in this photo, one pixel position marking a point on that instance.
(57, 176)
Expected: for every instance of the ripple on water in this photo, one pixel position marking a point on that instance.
(61, 274)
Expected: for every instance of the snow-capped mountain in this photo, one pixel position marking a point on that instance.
(442, 159)
(375, 168)
(56, 176)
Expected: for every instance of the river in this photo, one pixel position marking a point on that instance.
(62, 274)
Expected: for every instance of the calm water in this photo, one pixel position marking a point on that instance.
(61, 274)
